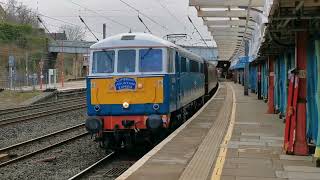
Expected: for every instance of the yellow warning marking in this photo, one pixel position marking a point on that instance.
(217, 171)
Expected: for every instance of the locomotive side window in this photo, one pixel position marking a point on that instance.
(183, 64)
(126, 61)
(103, 62)
(150, 60)
(194, 66)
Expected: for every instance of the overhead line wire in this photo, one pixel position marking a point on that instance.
(171, 14)
(139, 12)
(109, 19)
(88, 28)
(197, 31)
(41, 14)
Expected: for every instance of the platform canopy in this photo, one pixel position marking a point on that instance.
(237, 26)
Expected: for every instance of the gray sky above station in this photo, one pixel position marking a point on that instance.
(169, 13)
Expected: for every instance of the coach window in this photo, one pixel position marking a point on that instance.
(171, 55)
(201, 68)
(194, 66)
(103, 62)
(126, 61)
(183, 64)
(150, 60)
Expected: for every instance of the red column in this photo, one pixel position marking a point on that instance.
(271, 86)
(300, 144)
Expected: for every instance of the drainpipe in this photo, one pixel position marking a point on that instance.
(317, 50)
(259, 81)
(271, 85)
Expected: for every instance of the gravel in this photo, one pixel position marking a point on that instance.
(15, 133)
(39, 144)
(115, 166)
(69, 159)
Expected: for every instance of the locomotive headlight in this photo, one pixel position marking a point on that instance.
(125, 105)
(140, 86)
(97, 108)
(156, 107)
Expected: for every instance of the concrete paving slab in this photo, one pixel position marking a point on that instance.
(296, 158)
(281, 163)
(298, 175)
(259, 134)
(253, 172)
(302, 169)
(228, 178)
(255, 161)
(247, 143)
(256, 178)
(247, 123)
(271, 138)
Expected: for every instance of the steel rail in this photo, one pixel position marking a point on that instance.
(42, 149)
(38, 106)
(26, 117)
(41, 137)
(66, 94)
(91, 167)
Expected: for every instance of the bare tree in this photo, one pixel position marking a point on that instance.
(26, 16)
(19, 13)
(11, 11)
(74, 33)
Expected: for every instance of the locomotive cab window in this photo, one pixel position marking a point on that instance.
(126, 61)
(103, 62)
(150, 60)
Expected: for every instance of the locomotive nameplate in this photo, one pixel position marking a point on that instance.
(125, 84)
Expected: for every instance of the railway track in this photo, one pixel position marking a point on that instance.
(83, 172)
(46, 138)
(40, 105)
(26, 117)
(67, 94)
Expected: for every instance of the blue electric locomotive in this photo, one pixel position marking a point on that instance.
(140, 85)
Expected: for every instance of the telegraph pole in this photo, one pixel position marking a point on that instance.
(62, 66)
(27, 71)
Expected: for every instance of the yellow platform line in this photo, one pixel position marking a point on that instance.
(217, 171)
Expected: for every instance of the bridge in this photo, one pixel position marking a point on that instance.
(72, 47)
(82, 47)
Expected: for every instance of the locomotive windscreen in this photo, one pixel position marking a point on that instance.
(103, 62)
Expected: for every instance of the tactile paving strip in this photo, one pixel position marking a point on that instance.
(200, 166)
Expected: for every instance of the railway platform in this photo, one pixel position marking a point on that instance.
(68, 85)
(231, 137)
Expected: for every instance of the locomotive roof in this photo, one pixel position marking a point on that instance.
(132, 40)
(140, 40)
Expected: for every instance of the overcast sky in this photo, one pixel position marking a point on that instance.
(170, 16)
